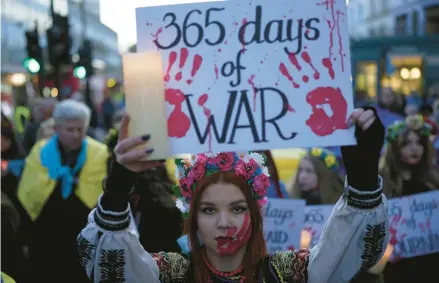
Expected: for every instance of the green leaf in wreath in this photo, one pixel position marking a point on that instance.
(176, 191)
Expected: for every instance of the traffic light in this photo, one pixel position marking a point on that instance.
(34, 59)
(84, 68)
(59, 41)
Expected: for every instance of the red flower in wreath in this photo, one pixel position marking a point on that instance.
(225, 161)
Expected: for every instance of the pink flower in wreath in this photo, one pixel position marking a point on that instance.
(186, 187)
(246, 169)
(201, 158)
(225, 161)
(260, 185)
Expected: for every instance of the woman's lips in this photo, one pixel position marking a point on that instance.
(224, 240)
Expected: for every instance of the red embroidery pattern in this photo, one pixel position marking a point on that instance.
(300, 265)
(162, 262)
(172, 266)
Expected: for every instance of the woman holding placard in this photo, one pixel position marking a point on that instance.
(408, 166)
(222, 196)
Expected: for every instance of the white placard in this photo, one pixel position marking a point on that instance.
(316, 217)
(414, 225)
(252, 74)
(283, 221)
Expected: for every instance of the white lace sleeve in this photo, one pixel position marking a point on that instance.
(110, 251)
(354, 238)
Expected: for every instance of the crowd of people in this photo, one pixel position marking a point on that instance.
(57, 179)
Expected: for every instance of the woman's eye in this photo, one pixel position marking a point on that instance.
(239, 209)
(208, 210)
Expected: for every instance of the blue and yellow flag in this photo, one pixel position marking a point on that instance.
(36, 186)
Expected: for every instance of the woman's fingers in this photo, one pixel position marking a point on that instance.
(366, 119)
(353, 119)
(361, 118)
(123, 130)
(129, 143)
(133, 156)
(368, 123)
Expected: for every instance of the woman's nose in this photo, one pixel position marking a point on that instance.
(223, 220)
(302, 177)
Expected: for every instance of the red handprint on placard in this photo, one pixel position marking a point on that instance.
(395, 237)
(329, 107)
(178, 122)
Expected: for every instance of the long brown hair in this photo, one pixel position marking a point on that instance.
(330, 183)
(256, 248)
(391, 165)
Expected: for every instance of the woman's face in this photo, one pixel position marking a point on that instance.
(224, 222)
(5, 143)
(387, 97)
(412, 149)
(307, 177)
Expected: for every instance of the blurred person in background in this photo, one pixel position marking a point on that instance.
(389, 100)
(317, 179)
(277, 188)
(408, 168)
(108, 110)
(152, 204)
(12, 156)
(14, 262)
(46, 129)
(42, 110)
(61, 183)
(408, 160)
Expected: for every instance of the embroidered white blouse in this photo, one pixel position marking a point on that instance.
(353, 239)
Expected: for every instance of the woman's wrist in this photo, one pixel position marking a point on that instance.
(117, 187)
(363, 174)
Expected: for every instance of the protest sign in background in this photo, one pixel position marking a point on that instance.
(283, 222)
(316, 217)
(414, 225)
(252, 74)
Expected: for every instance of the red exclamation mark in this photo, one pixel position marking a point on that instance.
(284, 71)
(172, 59)
(183, 57)
(196, 64)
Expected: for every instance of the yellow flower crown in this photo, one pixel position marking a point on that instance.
(326, 156)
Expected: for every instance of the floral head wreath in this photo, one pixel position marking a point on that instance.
(413, 122)
(326, 156)
(190, 171)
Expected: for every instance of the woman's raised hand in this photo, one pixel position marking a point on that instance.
(361, 161)
(127, 155)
